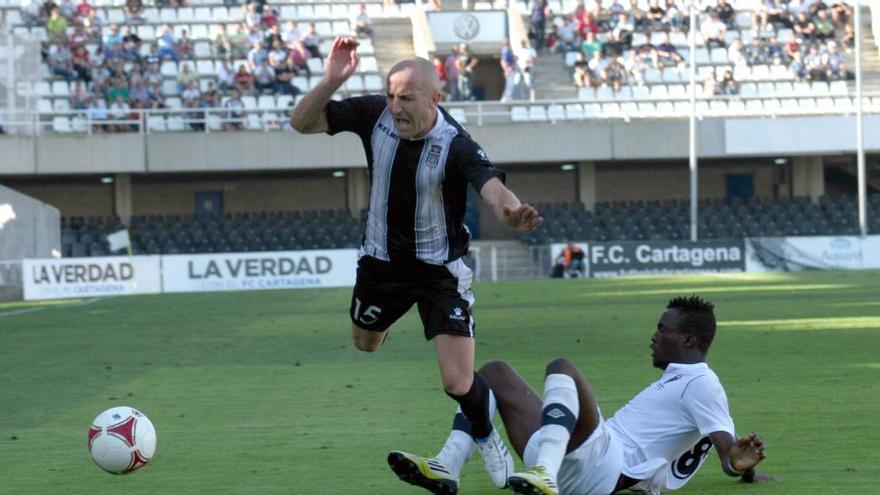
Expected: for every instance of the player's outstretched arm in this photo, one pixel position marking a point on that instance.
(308, 117)
(739, 456)
(507, 207)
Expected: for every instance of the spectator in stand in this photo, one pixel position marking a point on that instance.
(153, 79)
(184, 46)
(841, 14)
(118, 115)
(239, 43)
(824, 26)
(797, 67)
(729, 85)
(165, 42)
(31, 12)
(713, 31)
(211, 98)
(656, 16)
(538, 22)
(292, 35)
(153, 57)
(252, 18)
(636, 67)
(135, 114)
(244, 80)
(581, 71)
(667, 54)
(726, 13)
(56, 26)
(191, 98)
(646, 53)
(597, 66)
(139, 92)
(112, 36)
(583, 21)
(297, 60)
(256, 55)
(614, 75)
(234, 111)
(813, 64)
(736, 53)
(278, 53)
(639, 16)
(264, 78)
(312, 41)
(119, 88)
(79, 96)
(221, 46)
(452, 72)
(622, 34)
(441, 71)
(93, 25)
(61, 62)
(81, 65)
(674, 18)
(590, 45)
(567, 36)
(711, 87)
(525, 61)
(791, 47)
(270, 18)
(134, 12)
(68, 10)
(284, 74)
(466, 62)
(816, 7)
(113, 53)
(573, 261)
(273, 34)
(83, 8)
(225, 76)
(775, 51)
(803, 27)
(771, 12)
(185, 77)
(131, 44)
(849, 38)
(97, 112)
(361, 23)
(756, 54)
(835, 68)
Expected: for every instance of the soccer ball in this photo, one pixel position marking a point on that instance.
(122, 440)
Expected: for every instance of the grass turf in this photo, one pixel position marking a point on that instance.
(262, 393)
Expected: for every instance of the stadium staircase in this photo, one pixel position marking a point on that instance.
(870, 56)
(551, 79)
(393, 40)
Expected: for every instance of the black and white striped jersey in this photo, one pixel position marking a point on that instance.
(418, 188)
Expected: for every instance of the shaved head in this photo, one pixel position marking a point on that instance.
(420, 69)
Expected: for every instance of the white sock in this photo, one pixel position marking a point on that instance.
(559, 415)
(460, 444)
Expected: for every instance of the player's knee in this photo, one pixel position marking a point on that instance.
(366, 342)
(494, 371)
(457, 384)
(561, 365)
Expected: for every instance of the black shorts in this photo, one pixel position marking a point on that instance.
(384, 292)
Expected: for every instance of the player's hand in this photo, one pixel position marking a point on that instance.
(342, 60)
(747, 452)
(524, 219)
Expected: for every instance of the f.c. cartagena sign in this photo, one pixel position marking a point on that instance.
(615, 259)
(90, 277)
(250, 271)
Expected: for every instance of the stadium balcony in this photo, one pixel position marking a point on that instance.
(718, 219)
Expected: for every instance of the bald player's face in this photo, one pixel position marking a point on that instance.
(412, 101)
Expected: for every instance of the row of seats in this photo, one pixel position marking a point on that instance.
(718, 219)
(674, 91)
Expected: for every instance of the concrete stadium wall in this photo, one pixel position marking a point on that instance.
(505, 143)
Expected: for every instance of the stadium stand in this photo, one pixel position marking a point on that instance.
(718, 219)
(240, 232)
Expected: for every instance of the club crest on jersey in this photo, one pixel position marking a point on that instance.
(433, 158)
(458, 314)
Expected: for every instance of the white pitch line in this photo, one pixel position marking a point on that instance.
(43, 308)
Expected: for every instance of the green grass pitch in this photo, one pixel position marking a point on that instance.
(262, 392)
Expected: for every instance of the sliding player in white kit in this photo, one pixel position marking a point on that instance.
(655, 443)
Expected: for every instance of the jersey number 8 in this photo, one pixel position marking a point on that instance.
(686, 465)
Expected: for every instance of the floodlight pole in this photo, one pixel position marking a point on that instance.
(692, 139)
(860, 131)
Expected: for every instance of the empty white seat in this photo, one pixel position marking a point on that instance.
(205, 67)
(784, 88)
(167, 15)
(755, 105)
(146, 32)
(671, 75)
(168, 69)
(659, 91)
(761, 72)
(537, 113)
(115, 16)
(821, 88)
(322, 11)
(79, 124)
(458, 114)
(266, 102)
(718, 56)
(604, 93)
(838, 88)
(556, 112)
(175, 123)
(653, 76)
(253, 122)
(315, 65)
(574, 111)
(156, 122)
(767, 88)
(369, 64)
(373, 83)
(199, 32)
(677, 90)
(586, 94)
(801, 88)
(355, 84)
(283, 101)
(202, 14)
(220, 14)
(44, 105)
(570, 57)
(174, 103)
(646, 108)
(169, 88)
(665, 108)
(779, 72)
(42, 88)
(703, 57)
(640, 92)
(215, 122)
(185, 14)
(749, 89)
(61, 124)
(341, 28)
(249, 102)
(61, 105)
(519, 114)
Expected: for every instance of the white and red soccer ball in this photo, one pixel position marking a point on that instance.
(122, 440)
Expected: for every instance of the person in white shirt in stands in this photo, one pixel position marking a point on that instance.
(655, 443)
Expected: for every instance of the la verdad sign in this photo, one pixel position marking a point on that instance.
(88, 277)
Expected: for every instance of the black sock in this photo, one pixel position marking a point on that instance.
(475, 406)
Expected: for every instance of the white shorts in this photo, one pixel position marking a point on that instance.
(591, 469)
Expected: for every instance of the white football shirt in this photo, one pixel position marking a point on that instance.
(664, 429)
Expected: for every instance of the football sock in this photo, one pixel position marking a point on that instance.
(460, 444)
(475, 407)
(558, 418)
